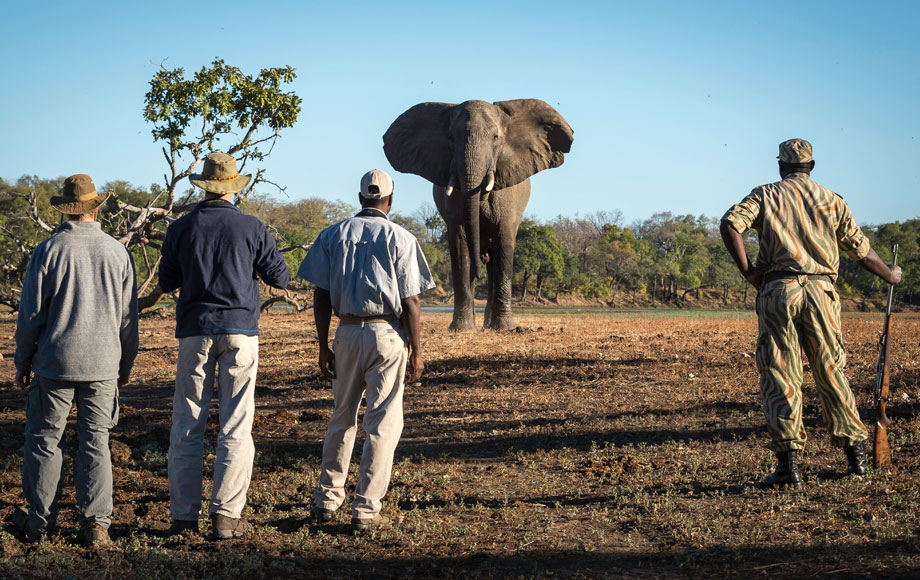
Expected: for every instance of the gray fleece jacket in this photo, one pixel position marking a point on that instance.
(78, 311)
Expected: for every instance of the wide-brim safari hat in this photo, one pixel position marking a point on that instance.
(219, 175)
(79, 196)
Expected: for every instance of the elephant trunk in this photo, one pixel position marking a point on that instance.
(475, 173)
(471, 229)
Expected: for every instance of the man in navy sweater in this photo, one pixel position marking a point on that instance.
(216, 255)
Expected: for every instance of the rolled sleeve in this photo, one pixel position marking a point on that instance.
(850, 237)
(412, 273)
(315, 266)
(743, 215)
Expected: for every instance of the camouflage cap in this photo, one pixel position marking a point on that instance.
(795, 151)
(376, 184)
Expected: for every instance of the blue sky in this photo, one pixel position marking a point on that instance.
(676, 106)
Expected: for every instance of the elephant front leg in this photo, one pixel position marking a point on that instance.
(501, 267)
(464, 314)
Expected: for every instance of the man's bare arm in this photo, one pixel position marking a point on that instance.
(411, 321)
(322, 315)
(874, 263)
(734, 243)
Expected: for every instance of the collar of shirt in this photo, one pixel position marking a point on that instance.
(80, 227)
(372, 212)
(216, 203)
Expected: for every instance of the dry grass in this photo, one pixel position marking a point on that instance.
(584, 445)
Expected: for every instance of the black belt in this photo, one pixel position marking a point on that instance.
(349, 319)
(771, 276)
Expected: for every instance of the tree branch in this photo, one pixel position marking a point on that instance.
(295, 247)
(33, 202)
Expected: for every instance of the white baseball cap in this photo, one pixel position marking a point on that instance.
(376, 184)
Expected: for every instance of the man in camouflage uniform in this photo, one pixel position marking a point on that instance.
(800, 225)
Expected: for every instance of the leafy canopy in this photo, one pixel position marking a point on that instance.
(223, 99)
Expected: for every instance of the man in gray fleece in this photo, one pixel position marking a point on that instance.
(77, 333)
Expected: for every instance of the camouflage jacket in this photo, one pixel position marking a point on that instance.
(800, 225)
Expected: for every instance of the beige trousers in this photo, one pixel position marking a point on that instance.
(370, 363)
(231, 359)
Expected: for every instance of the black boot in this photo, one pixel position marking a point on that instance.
(857, 464)
(786, 472)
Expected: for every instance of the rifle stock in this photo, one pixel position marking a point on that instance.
(881, 457)
(881, 451)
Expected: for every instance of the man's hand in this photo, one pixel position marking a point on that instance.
(754, 276)
(23, 378)
(895, 276)
(122, 381)
(416, 366)
(327, 362)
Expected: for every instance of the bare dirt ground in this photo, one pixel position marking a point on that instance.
(581, 446)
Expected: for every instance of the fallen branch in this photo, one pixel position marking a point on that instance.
(296, 247)
(286, 298)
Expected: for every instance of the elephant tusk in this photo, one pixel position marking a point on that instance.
(491, 183)
(450, 186)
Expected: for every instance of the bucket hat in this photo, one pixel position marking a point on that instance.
(219, 175)
(79, 196)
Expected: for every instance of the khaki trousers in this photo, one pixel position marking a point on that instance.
(231, 359)
(799, 314)
(370, 362)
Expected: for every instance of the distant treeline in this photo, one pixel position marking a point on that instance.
(664, 259)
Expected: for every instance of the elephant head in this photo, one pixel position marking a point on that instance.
(477, 147)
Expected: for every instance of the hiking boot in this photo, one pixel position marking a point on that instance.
(224, 527)
(21, 524)
(786, 473)
(376, 522)
(857, 464)
(95, 536)
(179, 526)
(321, 515)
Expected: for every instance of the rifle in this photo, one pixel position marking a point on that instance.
(882, 453)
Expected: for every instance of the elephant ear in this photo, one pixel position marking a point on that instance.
(537, 137)
(417, 142)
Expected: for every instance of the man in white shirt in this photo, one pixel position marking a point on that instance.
(369, 272)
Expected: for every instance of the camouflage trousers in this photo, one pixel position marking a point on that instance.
(797, 314)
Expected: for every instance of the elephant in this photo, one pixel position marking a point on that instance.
(480, 157)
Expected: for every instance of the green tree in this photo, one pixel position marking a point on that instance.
(217, 108)
(538, 254)
(614, 257)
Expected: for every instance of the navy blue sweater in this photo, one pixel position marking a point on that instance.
(216, 255)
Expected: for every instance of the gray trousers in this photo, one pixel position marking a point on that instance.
(47, 407)
(230, 360)
(370, 363)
